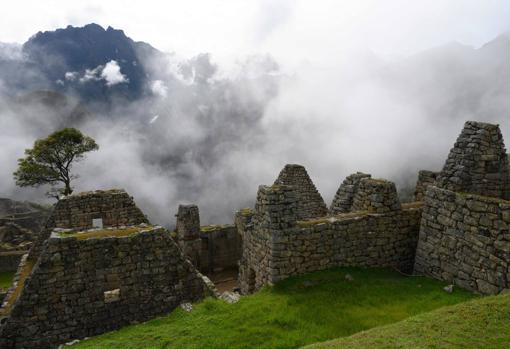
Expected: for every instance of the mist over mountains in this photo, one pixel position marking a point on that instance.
(174, 129)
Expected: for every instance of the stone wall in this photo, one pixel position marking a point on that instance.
(83, 287)
(9, 261)
(342, 202)
(209, 248)
(310, 202)
(465, 239)
(188, 233)
(277, 245)
(478, 162)
(425, 178)
(220, 248)
(275, 210)
(114, 207)
(376, 196)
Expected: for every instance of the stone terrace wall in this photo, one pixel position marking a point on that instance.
(221, 248)
(478, 162)
(81, 288)
(425, 178)
(310, 202)
(465, 239)
(277, 246)
(342, 202)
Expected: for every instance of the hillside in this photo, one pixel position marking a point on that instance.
(480, 323)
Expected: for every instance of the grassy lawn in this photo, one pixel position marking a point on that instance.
(6, 279)
(296, 312)
(480, 323)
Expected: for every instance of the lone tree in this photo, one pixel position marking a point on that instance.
(51, 158)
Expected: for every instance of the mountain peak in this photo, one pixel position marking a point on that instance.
(72, 51)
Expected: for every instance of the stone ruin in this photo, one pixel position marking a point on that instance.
(214, 250)
(425, 178)
(456, 231)
(478, 163)
(75, 283)
(344, 196)
(310, 202)
(373, 230)
(82, 281)
(464, 233)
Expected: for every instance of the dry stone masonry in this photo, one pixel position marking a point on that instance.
(464, 237)
(342, 202)
(425, 178)
(210, 248)
(310, 202)
(376, 196)
(84, 283)
(188, 232)
(478, 162)
(278, 244)
(112, 207)
(98, 265)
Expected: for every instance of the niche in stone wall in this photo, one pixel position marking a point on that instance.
(97, 223)
(112, 296)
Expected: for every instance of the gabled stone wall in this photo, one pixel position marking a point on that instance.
(344, 197)
(115, 207)
(310, 202)
(81, 288)
(276, 244)
(464, 237)
(376, 196)
(478, 162)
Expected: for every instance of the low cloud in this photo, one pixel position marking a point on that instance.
(209, 134)
(112, 75)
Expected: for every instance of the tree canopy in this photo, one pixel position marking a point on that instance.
(50, 160)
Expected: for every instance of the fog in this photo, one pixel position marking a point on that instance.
(210, 131)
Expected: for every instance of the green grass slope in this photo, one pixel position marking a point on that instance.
(296, 312)
(480, 323)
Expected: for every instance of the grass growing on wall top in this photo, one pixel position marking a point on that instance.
(107, 232)
(480, 323)
(296, 312)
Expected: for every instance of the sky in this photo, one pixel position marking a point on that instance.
(291, 31)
